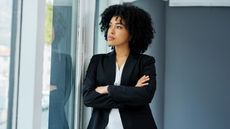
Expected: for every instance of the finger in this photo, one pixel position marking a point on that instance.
(141, 85)
(144, 80)
(144, 84)
(142, 77)
(145, 77)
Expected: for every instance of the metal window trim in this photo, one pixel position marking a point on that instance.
(31, 65)
(84, 51)
(14, 64)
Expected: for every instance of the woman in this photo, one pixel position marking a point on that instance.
(120, 85)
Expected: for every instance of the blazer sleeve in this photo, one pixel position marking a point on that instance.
(90, 97)
(137, 96)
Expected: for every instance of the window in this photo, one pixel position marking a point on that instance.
(5, 59)
(41, 74)
(58, 67)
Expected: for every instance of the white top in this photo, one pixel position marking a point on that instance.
(114, 116)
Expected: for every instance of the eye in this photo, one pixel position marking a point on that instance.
(119, 27)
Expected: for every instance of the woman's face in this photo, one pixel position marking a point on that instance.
(117, 33)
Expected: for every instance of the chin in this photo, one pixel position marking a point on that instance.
(112, 44)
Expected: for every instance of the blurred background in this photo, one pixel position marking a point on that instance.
(46, 45)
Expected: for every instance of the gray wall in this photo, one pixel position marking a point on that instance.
(192, 50)
(156, 8)
(197, 68)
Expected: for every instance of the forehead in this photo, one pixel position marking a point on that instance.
(117, 19)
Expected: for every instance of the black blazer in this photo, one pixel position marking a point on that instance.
(132, 102)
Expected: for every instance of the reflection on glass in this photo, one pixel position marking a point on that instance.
(57, 103)
(47, 64)
(5, 38)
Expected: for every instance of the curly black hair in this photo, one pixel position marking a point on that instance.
(137, 21)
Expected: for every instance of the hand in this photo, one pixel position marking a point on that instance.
(102, 89)
(142, 81)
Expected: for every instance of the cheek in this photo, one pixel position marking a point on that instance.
(107, 33)
(125, 36)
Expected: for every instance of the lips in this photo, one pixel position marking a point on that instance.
(110, 38)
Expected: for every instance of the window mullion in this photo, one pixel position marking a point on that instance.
(31, 62)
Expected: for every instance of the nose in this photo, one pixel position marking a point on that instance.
(111, 30)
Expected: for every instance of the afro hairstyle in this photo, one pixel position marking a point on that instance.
(137, 21)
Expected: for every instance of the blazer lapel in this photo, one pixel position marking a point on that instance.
(110, 67)
(128, 68)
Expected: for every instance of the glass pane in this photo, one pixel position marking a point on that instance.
(100, 43)
(59, 56)
(5, 47)
(101, 46)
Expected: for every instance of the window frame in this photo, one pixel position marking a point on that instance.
(30, 65)
(14, 64)
(214, 3)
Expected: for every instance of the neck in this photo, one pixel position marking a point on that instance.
(122, 51)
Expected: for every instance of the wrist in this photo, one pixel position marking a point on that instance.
(106, 89)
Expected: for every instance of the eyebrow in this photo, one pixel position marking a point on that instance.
(117, 23)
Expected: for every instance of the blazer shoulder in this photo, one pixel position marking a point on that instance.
(97, 56)
(147, 58)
